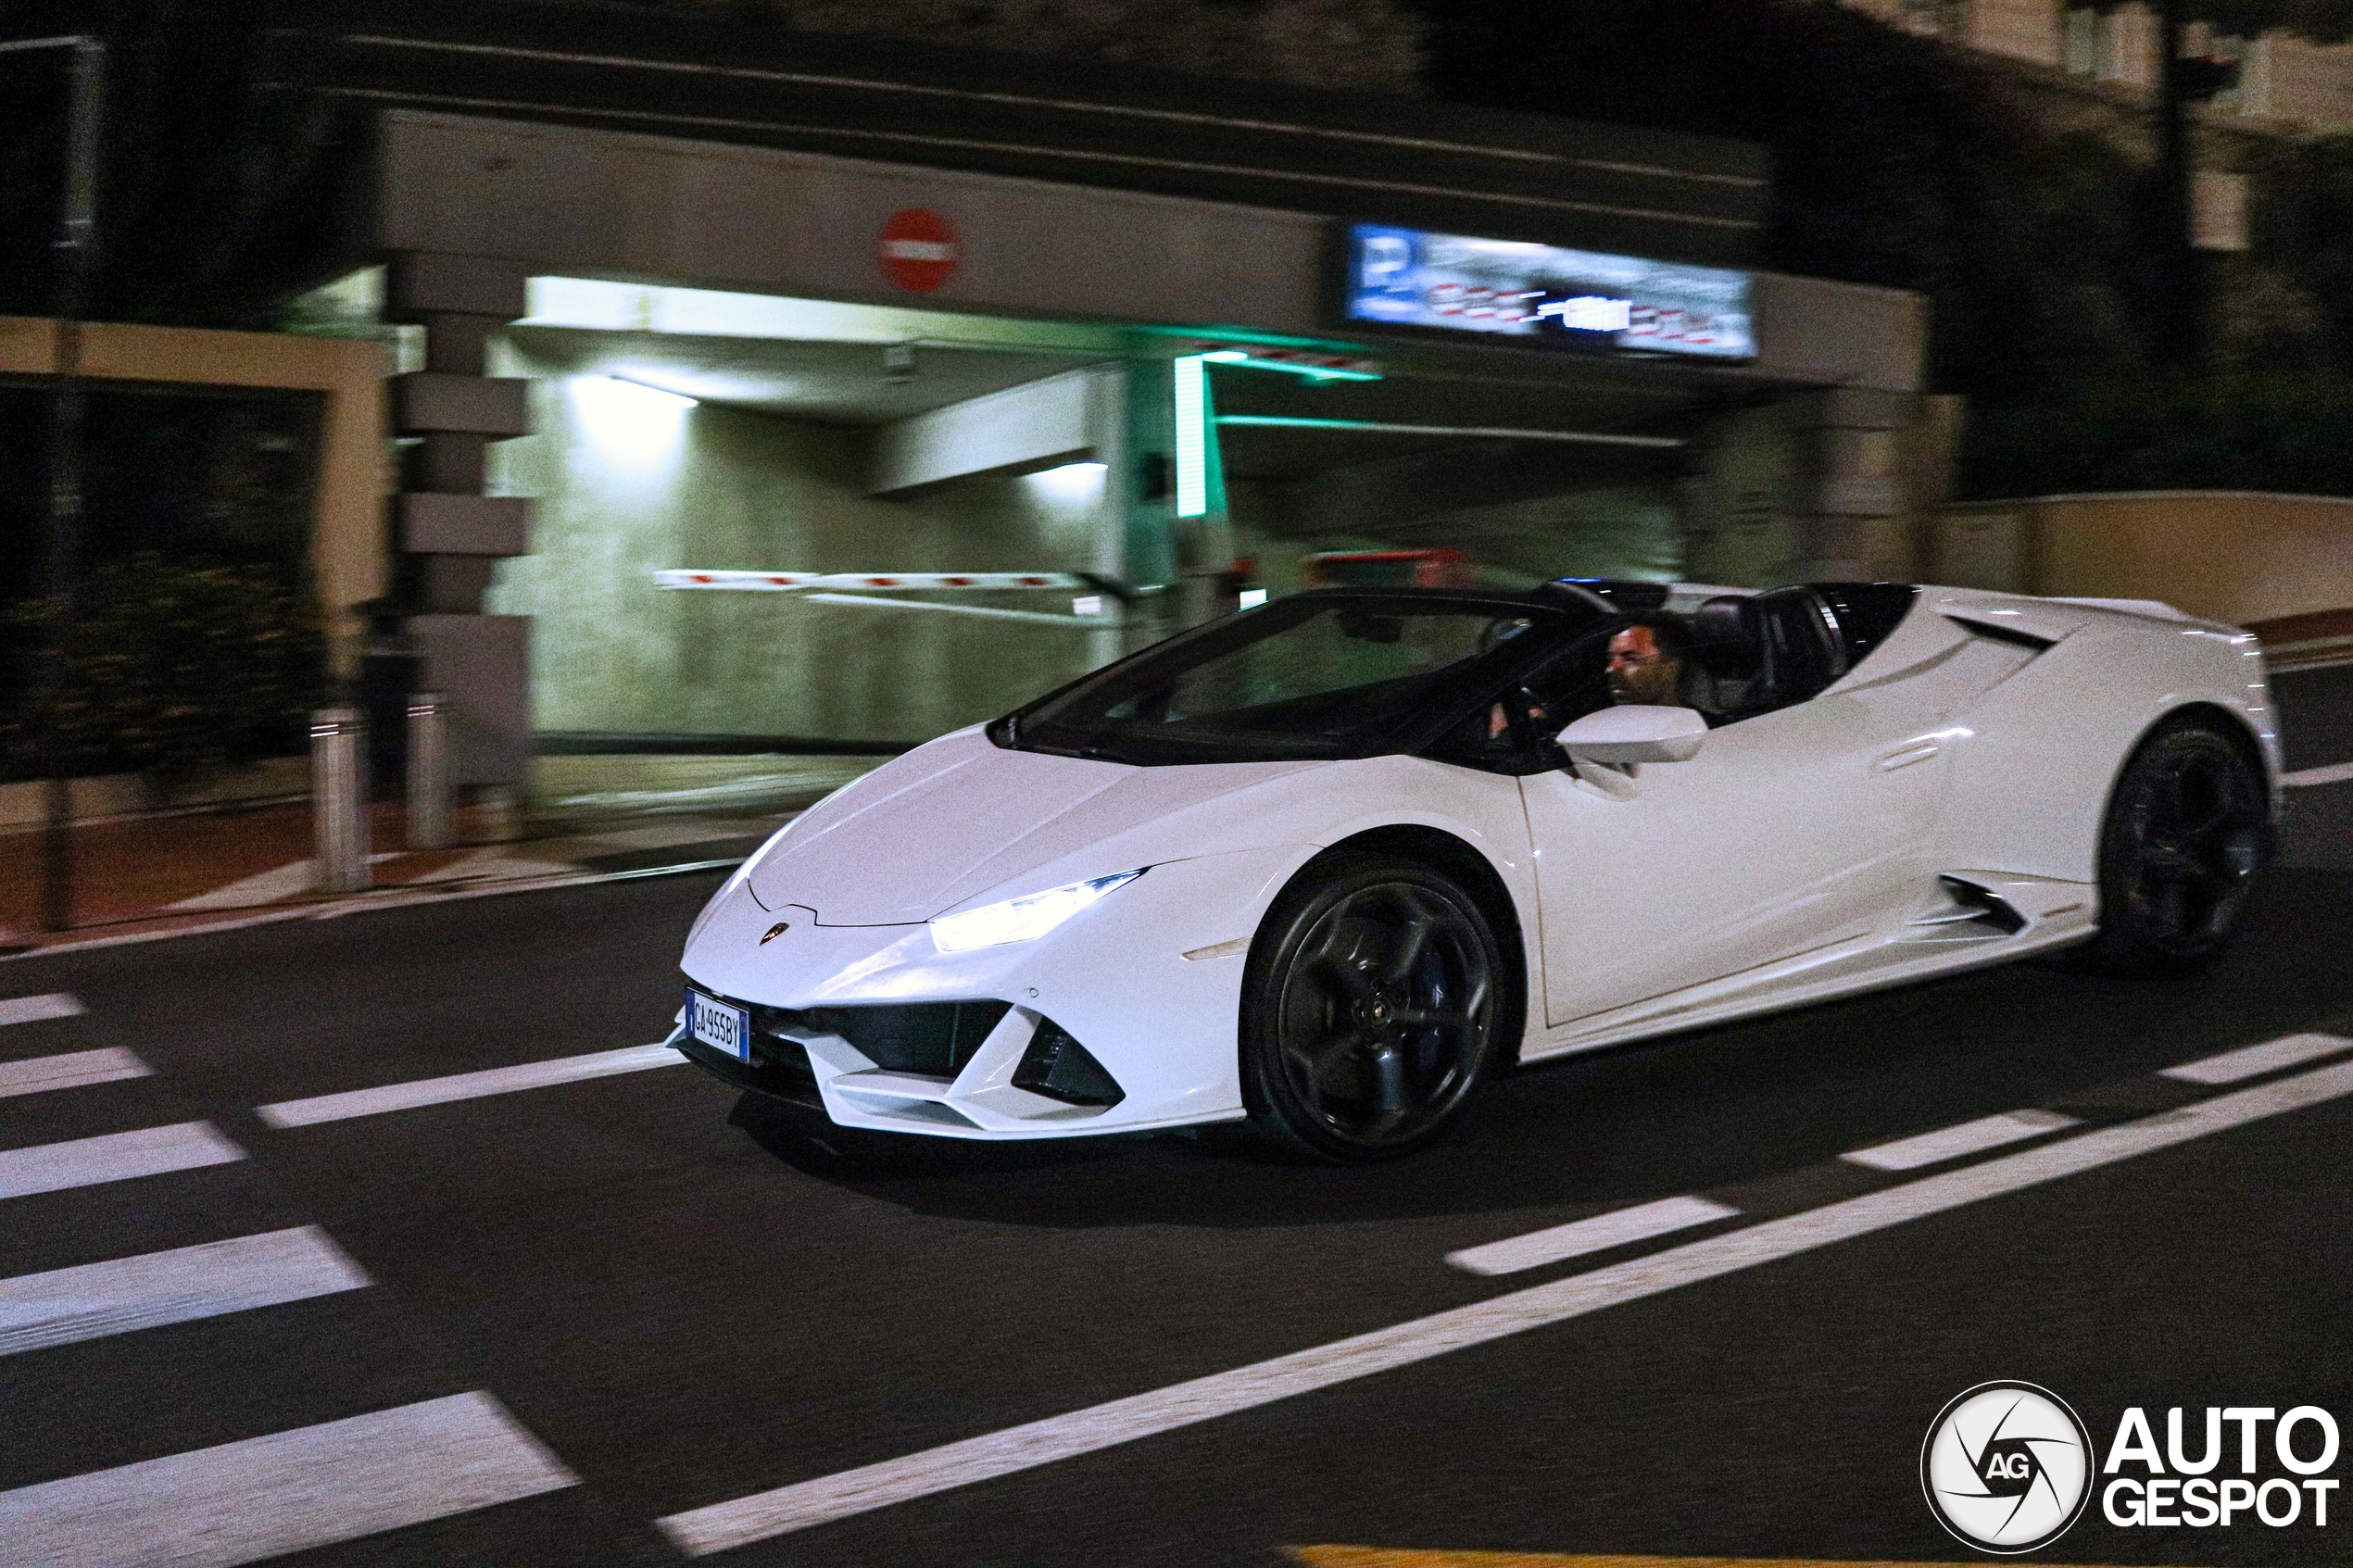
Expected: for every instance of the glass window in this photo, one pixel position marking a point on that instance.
(1313, 676)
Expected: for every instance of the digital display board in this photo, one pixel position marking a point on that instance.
(1577, 299)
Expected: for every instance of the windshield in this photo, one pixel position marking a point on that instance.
(1313, 676)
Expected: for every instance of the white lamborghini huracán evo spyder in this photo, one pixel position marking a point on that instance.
(1330, 863)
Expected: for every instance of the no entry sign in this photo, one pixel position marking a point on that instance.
(918, 249)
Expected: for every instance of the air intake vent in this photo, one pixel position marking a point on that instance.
(932, 1038)
(1994, 631)
(1060, 1068)
(1991, 908)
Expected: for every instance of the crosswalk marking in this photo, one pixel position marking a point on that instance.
(239, 1502)
(113, 1157)
(722, 1526)
(70, 1070)
(2289, 1050)
(465, 1086)
(32, 1010)
(1965, 1137)
(1580, 1236)
(96, 1299)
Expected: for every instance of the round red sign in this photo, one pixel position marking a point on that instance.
(918, 249)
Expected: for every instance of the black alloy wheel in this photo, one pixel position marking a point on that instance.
(1377, 1000)
(2188, 828)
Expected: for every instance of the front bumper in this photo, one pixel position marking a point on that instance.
(1115, 983)
(771, 1072)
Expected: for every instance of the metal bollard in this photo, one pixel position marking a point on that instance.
(429, 789)
(339, 799)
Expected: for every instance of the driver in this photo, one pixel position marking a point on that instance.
(1646, 661)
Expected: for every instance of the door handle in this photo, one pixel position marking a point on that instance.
(1908, 755)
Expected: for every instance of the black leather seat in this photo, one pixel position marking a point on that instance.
(1763, 651)
(1804, 651)
(1728, 637)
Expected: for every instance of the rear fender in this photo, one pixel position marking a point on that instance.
(2031, 779)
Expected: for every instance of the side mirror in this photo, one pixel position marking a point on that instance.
(1636, 734)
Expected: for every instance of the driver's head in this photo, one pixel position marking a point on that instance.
(1646, 665)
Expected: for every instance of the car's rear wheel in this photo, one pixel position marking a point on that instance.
(2188, 827)
(1375, 1002)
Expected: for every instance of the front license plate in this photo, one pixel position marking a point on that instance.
(718, 1026)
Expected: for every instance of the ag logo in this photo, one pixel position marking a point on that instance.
(2007, 1467)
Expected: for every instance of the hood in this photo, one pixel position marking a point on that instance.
(955, 817)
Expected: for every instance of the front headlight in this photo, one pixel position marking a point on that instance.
(1023, 919)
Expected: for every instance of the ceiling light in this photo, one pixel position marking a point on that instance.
(668, 398)
(1071, 481)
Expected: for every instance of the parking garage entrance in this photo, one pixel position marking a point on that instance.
(808, 520)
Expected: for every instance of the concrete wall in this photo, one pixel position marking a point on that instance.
(2025, 29)
(624, 492)
(2226, 555)
(1737, 513)
(563, 200)
(1604, 530)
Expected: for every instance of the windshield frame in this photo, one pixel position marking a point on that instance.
(1557, 619)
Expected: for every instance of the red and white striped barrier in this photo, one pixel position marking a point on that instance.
(782, 581)
(741, 582)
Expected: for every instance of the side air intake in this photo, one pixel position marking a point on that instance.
(1057, 1066)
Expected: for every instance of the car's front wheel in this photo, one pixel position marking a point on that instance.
(2188, 828)
(1377, 1000)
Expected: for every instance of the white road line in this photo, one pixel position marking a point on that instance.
(722, 1526)
(1966, 1138)
(239, 1502)
(2305, 778)
(115, 1157)
(96, 1299)
(32, 1010)
(465, 1086)
(2289, 1050)
(70, 1070)
(364, 903)
(272, 887)
(1580, 1236)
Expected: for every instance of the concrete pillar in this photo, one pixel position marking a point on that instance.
(1849, 504)
(449, 535)
(2023, 30)
(1142, 530)
(2131, 55)
(2257, 64)
(2082, 42)
(1107, 439)
(1177, 536)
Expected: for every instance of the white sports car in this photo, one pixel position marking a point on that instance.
(1330, 863)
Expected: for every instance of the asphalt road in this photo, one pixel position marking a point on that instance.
(680, 1303)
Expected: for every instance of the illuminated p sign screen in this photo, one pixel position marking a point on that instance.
(1547, 296)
